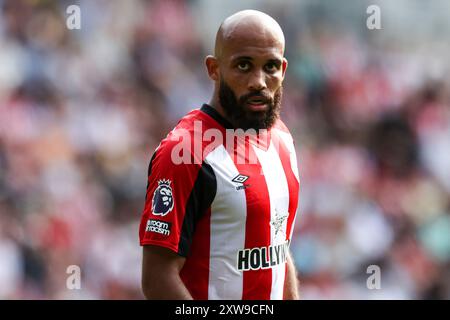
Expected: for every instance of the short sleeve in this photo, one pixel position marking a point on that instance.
(178, 194)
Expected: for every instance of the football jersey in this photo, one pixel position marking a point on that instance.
(226, 202)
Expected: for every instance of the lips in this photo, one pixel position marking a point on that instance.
(257, 103)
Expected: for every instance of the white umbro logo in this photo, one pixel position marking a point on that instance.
(240, 178)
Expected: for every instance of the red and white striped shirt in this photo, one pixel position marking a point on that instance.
(231, 219)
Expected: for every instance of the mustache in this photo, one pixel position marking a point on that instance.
(256, 94)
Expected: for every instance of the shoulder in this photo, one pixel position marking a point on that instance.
(185, 143)
(283, 134)
(282, 130)
(279, 125)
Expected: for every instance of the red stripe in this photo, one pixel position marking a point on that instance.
(195, 272)
(293, 186)
(293, 183)
(257, 284)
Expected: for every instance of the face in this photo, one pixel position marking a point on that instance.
(241, 111)
(249, 77)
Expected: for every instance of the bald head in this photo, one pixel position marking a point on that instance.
(246, 27)
(248, 69)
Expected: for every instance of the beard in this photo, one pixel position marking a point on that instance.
(243, 118)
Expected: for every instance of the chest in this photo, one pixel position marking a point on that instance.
(250, 191)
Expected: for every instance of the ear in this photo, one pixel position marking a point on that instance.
(212, 66)
(284, 66)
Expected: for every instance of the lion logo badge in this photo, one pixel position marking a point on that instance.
(162, 201)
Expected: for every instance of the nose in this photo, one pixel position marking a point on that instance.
(257, 81)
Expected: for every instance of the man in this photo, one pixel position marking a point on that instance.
(214, 227)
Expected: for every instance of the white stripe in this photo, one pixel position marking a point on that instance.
(227, 236)
(279, 207)
(289, 143)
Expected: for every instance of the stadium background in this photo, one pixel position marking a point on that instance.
(81, 112)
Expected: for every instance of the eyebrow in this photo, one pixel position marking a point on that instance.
(275, 61)
(242, 58)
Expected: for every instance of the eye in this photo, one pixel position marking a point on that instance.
(243, 66)
(271, 67)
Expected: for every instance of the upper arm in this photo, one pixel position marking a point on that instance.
(157, 261)
(160, 272)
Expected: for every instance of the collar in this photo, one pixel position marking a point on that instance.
(213, 113)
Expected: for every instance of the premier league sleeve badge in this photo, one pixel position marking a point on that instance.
(162, 201)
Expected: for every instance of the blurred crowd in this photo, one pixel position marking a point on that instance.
(81, 112)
